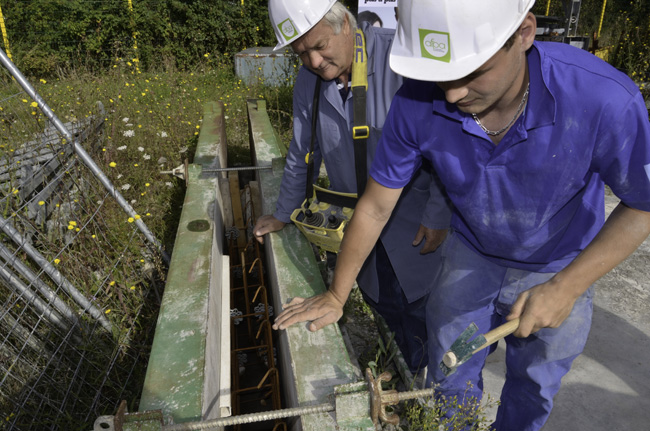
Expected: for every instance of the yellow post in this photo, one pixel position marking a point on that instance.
(4, 34)
(602, 16)
(548, 6)
(136, 60)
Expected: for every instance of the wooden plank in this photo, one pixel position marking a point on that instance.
(257, 200)
(228, 218)
(233, 179)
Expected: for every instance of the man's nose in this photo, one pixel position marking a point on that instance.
(454, 91)
(315, 59)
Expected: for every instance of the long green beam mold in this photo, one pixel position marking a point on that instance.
(313, 363)
(188, 376)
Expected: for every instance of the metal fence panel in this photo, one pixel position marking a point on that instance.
(79, 272)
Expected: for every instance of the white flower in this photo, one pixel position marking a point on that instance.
(128, 133)
(122, 148)
(119, 176)
(125, 119)
(133, 201)
(226, 117)
(146, 157)
(168, 184)
(162, 134)
(140, 149)
(126, 186)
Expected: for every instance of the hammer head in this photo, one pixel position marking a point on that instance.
(461, 350)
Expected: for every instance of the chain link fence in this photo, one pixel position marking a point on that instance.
(80, 274)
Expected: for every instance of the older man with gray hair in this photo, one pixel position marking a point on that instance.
(398, 275)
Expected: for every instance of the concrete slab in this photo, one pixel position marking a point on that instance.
(608, 387)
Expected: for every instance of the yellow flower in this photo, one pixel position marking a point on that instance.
(137, 217)
(147, 184)
(112, 283)
(56, 261)
(41, 203)
(112, 164)
(33, 104)
(131, 220)
(132, 287)
(107, 311)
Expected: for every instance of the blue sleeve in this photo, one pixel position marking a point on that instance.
(397, 156)
(294, 178)
(622, 153)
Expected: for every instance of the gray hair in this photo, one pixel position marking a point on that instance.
(335, 18)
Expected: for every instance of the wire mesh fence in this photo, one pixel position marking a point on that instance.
(79, 273)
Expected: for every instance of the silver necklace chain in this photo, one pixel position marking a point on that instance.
(500, 131)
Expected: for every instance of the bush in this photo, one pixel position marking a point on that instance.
(47, 37)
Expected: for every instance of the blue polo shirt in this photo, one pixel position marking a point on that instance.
(537, 199)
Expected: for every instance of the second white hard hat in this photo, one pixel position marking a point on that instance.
(445, 40)
(293, 18)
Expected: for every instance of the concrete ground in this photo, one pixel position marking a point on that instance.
(608, 387)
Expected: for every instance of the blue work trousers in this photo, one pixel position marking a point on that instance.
(406, 320)
(473, 289)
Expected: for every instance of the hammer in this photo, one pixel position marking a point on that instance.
(462, 350)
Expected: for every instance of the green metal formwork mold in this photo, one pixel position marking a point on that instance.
(176, 373)
(314, 363)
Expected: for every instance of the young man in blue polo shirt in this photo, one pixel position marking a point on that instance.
(523, 135)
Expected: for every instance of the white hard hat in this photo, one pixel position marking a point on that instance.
(445, 40)
(293, 18)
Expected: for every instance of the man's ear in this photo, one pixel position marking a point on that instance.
(347, 28)
(527, 30)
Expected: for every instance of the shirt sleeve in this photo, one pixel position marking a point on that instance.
(294, 178)
(622, 153)
(397, 156)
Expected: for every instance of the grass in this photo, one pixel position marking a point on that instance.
(152, 124)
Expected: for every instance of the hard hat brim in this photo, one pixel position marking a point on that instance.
(426, 69)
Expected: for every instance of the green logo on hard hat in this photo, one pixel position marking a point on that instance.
(287, 29)
(435, 45)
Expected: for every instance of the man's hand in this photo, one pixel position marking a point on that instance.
(321, 310)
(433, 238)
(265, 224)
(546, 305)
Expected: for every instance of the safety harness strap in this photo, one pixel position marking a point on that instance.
(360, 130)
(309, 158)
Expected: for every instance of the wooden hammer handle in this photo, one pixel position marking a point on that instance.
(500, 332)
